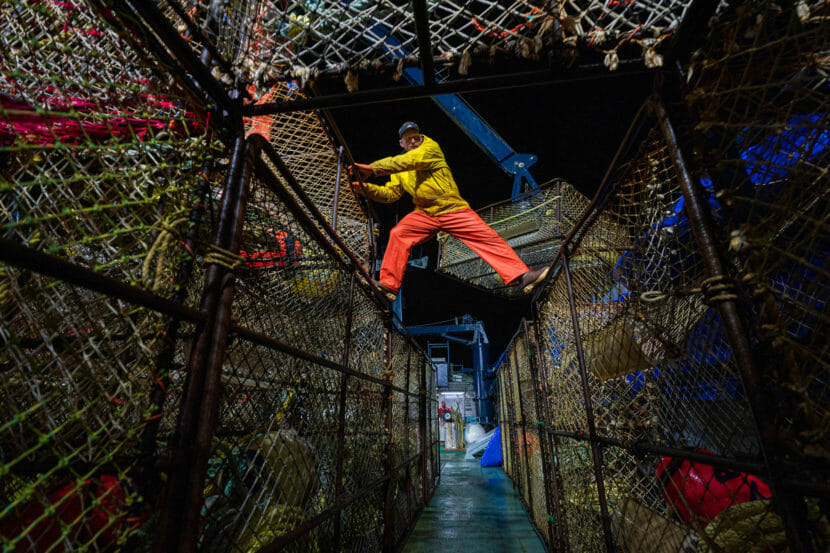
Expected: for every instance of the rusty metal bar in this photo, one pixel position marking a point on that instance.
(787, 503)
(367, 206)
(336, 200)
(264, 173)
(524, 430)
(554, 477)
(273, 343)
(426, 445)
(540, 405)
(406, 397)
(424, 43)
(436, 439)
(596, 450)
(387, 509)
(182, 52)
(164, 360)
(16, 254)
(716, 461)
(180, 478)
(222, 276)
(209, 52)
(341, 416)
(504, 421)
(511, 409)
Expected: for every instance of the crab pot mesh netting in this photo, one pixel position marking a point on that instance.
(767, 125)
(110, 171)
(304, 146)
(265, 41)
(658, 364)
(680, 464)
(533, 225)
(103, 164)
(660, 370)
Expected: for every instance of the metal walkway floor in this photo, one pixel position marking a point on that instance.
(473, 509)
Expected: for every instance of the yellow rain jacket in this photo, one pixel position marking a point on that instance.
(424, 174)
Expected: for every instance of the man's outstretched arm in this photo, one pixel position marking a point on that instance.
(426, 156)
(384, 194)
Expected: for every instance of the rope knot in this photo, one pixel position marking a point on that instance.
(223, 257)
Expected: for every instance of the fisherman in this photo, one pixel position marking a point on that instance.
(422, 171)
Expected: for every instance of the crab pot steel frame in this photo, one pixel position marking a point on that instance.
(677, 365)
(193, 357)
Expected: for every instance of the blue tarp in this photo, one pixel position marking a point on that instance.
(492, 454)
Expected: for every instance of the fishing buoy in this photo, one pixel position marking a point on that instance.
(700, 492)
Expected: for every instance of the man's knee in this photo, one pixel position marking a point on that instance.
(403, 234)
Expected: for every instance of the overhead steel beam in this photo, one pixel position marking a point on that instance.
(424, 44)
(477, 84)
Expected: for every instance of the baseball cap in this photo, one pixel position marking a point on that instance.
(407, 126)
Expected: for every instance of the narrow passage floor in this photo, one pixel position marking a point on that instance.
(474, 509)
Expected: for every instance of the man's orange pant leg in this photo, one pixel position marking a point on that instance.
(465, 225)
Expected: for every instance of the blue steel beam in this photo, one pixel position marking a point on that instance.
(476, 128)
(481, 355)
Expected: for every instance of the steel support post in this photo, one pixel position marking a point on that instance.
(789, 505)
(541, 423)
(424, 43)
(341, 417)
(389, 487)
(596, 450)
(164, 360)
(435, 438)
(523, 429)
(426, 445)
(181, 453)
(406, 410)
(504, 421)
(336, 200)
(511, 413)
(212, 391)
(562, 542)
(191, 445)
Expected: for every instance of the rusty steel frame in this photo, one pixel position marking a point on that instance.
(596, 448)
(787, 490)
(523, 425)
(181, 505)
(547, 458)
(561, 523)
(185, 460)
(786, 503)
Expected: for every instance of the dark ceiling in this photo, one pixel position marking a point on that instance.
(573, 127)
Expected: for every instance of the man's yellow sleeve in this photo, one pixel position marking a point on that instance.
(426, 156)
(385, 194)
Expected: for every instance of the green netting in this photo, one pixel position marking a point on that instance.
(109, 165)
